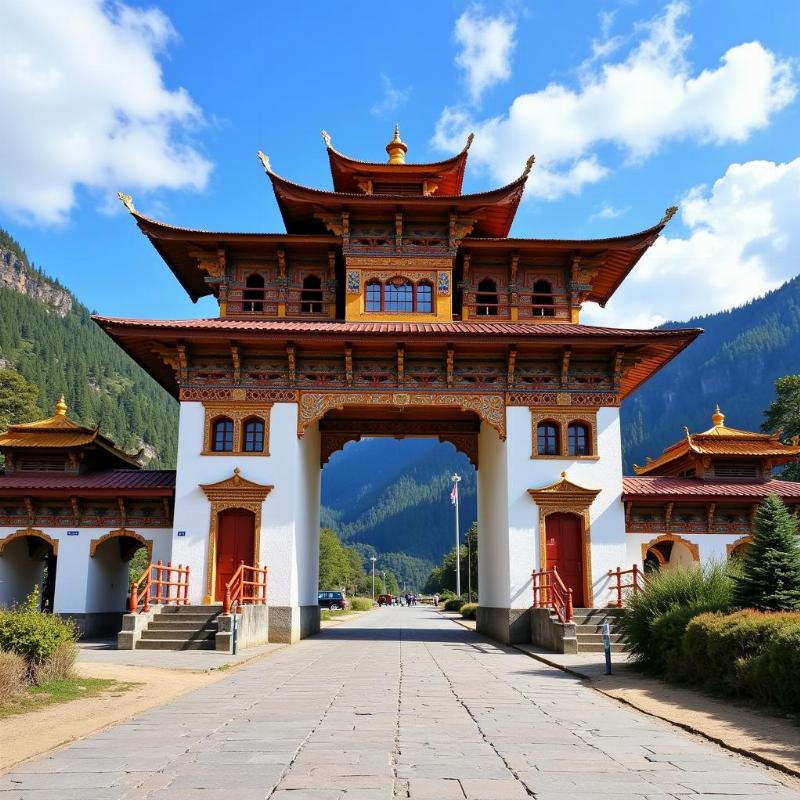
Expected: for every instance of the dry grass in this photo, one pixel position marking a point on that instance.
(13, 677)
(58, 666)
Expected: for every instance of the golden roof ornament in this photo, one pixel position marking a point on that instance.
(264, 159)
(668, 215)
(718, 418)
(529, 166)
(127, 201)
(327, 138)
(61, 407)
(397, 148)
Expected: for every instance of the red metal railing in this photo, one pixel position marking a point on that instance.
(160, 584)
(549, 592)
(247, 586)
(638, 581)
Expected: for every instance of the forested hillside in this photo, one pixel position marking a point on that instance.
(48, 337)
(734, 363)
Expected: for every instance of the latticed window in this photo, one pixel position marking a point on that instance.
(486, 298)
(253, 295)
(311, 295)
(254, 436)
(222, 436)
(398, 296)
(424, 298)
(578, 439)
(372, 301)
(542, 299)
(547, 439)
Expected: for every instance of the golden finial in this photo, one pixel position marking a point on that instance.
(127, 201)
(529, 166)
(564, 475)
(668, 215)
(718, 418)
(397, 148)
(469, 142)
(327, 137)
(264, 159)
(61, 407)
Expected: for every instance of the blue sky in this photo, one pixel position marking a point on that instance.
(630, 107)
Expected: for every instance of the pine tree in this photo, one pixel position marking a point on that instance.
(770, 579)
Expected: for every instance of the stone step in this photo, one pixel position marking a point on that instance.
(186, 620)
(593, 647)
(187, 634)
(592, 627)
(192, 609)
(175, 644)
(593, 638)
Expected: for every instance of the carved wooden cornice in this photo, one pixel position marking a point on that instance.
(236, 488)
(564, 495)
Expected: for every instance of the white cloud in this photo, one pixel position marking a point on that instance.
(393, 98)
(610, 212)
(85, 105)
(486, 44)
(637, 103)
(743, 240)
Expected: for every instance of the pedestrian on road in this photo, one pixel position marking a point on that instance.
(436, 600)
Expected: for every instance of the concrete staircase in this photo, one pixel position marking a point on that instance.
(589, 629)
(181, 628)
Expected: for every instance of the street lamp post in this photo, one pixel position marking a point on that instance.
(373, 560)
(454, 495)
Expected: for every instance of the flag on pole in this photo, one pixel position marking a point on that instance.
(454, 494)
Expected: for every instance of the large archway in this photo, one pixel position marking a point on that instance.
(28, 559)
(670, 552)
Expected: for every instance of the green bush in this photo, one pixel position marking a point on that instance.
(361, 603)
(651, 625)
(34, 634)
(13, 677)
(453, 604)
(469, 610)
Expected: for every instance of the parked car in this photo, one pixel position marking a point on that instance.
(335, 601)
(385, 599)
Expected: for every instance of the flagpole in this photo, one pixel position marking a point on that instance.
(456, 478)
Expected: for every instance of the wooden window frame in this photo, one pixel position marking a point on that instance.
(239, 414)
(222, 419)
(255, 419)
(563, 419)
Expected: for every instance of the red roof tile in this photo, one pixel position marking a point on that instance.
(694, 488)
(114, 479)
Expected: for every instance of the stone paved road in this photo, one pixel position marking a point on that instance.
(398, 704)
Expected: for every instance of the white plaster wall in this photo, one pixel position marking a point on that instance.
(291, 506)
(83, 584)
(19, 573)
(309, 478)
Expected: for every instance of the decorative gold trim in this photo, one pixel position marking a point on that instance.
(238, 413)
(733, 546)
(586, 416)
(565, 497)
(314, 405)
(29, 532)
(693, 548)
(233, 492)
(118, 533)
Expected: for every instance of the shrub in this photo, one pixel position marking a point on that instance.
(453, 604)
(57, 666)
(361, 603)
(677, 596)
(469, 610)
(34, 634)
(13, 677)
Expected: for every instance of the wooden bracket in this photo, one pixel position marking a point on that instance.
(76, 510)
(290, 356)
(123, 512)
(237, 364)
(668, 515)
(450, 363)
(512, 364)
(566, 355)
(401, 365)
(348, 364)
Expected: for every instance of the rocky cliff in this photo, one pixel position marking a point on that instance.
(16, 275)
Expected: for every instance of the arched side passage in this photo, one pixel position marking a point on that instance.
(694, 549)
(741, 544)
(119, 533)
(29, 532)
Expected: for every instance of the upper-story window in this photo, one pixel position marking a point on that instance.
(311, 295)
(253, 436)
(253, 296)
(486, 298)
(578, 435)
(374, 296)
(424, 298)
(542, 299)
(398, 296)
(547, 439)
(222, 438)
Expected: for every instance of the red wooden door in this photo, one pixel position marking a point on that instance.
(565, 552)
(235, 543)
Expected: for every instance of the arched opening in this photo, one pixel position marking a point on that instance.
(738, 548)
(579, 440)
(235, 544)
(542, 299)
(253, 296)
(253, 435)
(222, 435)
(547, 439)
(564, 551)
(424, 297)
(311, 295)
(486, 300)
(28, 559)
(373, 297)
(670, 552)
(398, 296)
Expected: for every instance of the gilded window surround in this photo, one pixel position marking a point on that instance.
(586, 416)
(118, 533)
(238, 413)
(29, 532)
(233, 492)
(565, 497)
(694, 549)
(733, 546)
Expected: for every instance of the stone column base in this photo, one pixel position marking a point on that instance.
(506, 625)
(289, 624)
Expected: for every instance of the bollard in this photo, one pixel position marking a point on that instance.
(607, 646)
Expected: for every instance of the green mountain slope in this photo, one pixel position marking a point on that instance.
(734, 363)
